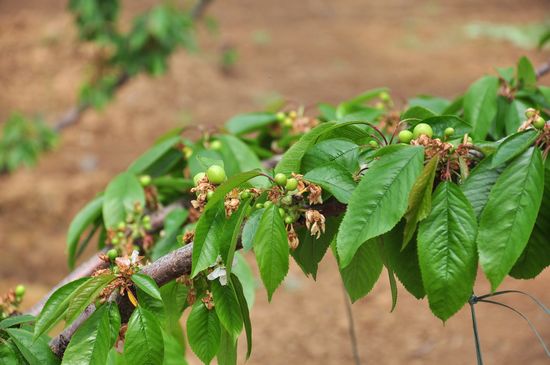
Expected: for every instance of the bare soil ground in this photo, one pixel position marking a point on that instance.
(306, 51)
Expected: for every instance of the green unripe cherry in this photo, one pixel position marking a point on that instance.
(259, 206)
(384, 96)
(282, 212)
(539, 122)
(198, 177)
(291, 184)
(530, 112)
(216, 174)
(289, 219)
(268, 203)
(209, 195)
(280, 116)
(422, 128)
(115, 240)
(286, 200)
(245, 194)
(287, 122)
(373, 144)
(112, 254)
(216, 145)
(121, 226)
(20, 290)
(449, 131)
(405, 136)
(280, 179)
(145, 180)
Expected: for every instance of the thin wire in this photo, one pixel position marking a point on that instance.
(351, 328)
(539, 337)
(473, 300)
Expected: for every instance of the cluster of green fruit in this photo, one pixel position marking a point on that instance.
(287, 119)
(10, 304)
(406, 136)
(286, 211)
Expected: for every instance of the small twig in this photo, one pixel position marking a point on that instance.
(351, 327)
(543, 69)
(473, 300)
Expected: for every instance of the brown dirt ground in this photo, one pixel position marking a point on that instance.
(317, 50)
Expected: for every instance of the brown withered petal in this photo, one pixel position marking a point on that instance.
(315, 222)
(293, 240)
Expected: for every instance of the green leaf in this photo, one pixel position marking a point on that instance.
(174, 297)
(417, 112)
(335, 179)
(447, 250)
(143, 344)
(311, 250)
(85, 294)
(81, 221)
(174, 351)
(203, 332)
(420, 199)
(380, 199)
(238, 157)
(250, 228)
(527, 76)
(514, 146)
(93, 340)
(172, 227)
(245, 123)
(243, 271)
(478, 185)
(292, 159)
(55, 307)
(231, 234)
(147, 284)
(36, 351)
(227, 354)
(510, 214)
(16, 320)
(233, 182)
(363, 271)
(404, 262)
(208, 235)
(154, 154)
(340, 151)
(432, 103)
(120, 197)
(271, 249)
(480, 105)
(536, 255)
(227, 307)
(245, 315)
(9, 355)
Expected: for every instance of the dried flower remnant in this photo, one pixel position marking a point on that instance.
(232, 202)
(293, 240)
(315, 223)
(202, 189)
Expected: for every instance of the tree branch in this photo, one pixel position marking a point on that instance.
(165, 269)
(543, 69)
(72, 115)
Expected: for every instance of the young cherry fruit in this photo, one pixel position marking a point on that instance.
(449, 131)
(539, 122)
(405, 136)
(280, 179)
(373, 144)
(112, 254)
(216, 174)
(20, 290)
(245, 194)
(216, 145)
(291, 184)
(145, 180)
(422, 128)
